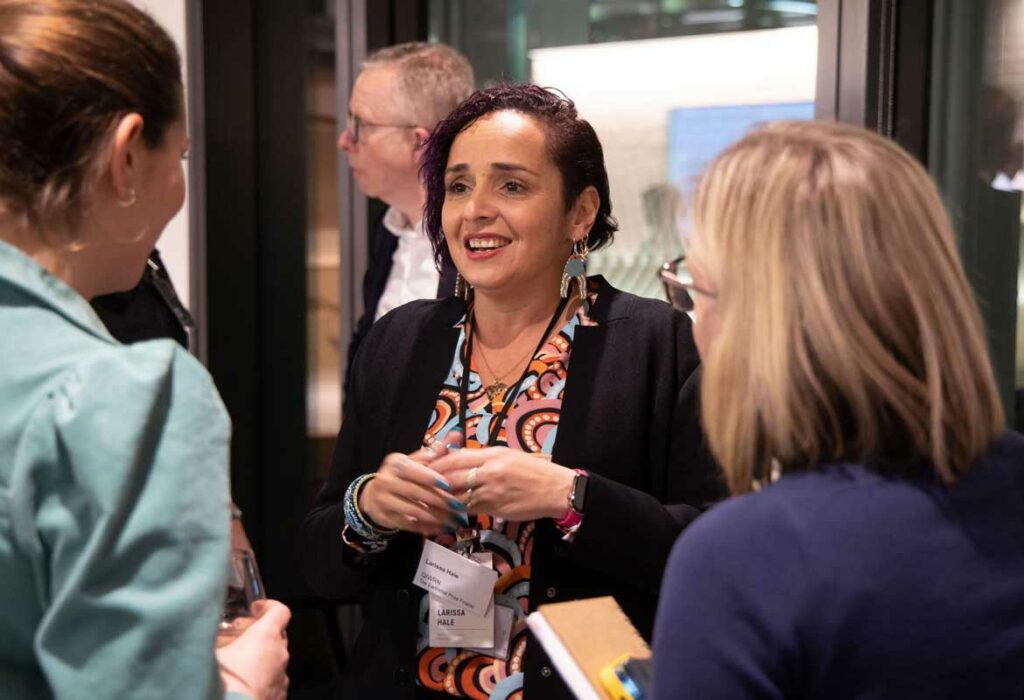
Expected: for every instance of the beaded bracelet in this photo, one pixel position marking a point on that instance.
(354, 517)
(361, 545)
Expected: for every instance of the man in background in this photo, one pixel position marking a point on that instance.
(402, 92)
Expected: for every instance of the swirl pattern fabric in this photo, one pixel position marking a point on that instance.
(531, 426)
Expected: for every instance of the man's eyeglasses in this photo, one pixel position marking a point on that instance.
(679, 286)
(356, 124)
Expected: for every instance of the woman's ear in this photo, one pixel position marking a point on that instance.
(125, 156)
(584, 213)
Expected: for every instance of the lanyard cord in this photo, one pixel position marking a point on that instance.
(167, 294)
(514, 391)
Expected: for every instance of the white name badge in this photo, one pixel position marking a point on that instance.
(453, 626)
(452, 578)
(503, 619)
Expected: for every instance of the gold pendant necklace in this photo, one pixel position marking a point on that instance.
(495, 390)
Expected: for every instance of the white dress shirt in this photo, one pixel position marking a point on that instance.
(413, 275)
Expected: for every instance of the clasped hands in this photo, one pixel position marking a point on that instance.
(428, 491)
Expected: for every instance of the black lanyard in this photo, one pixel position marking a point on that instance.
(510, 397)
(165, 289)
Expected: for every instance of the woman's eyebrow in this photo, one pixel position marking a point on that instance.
(511, 167)
(503, 167)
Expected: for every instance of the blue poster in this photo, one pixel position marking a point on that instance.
(698, 134)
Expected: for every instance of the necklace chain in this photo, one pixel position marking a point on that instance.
(501, 407)
(497, 388)
(500, 376)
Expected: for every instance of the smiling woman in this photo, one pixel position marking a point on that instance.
(505, 223)
(578, 410)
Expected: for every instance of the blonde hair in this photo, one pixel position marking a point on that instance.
(433, 78)
(847, 328)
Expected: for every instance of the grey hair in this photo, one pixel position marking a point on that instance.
(433, 78)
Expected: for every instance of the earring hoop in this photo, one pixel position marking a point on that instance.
(129, 201)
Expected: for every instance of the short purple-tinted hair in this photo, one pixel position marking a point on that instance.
(571, 142)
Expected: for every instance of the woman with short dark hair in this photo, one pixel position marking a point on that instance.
(575, 404)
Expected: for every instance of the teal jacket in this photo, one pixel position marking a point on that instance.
(114, 513)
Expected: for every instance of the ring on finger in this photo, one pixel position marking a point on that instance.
(471, 479)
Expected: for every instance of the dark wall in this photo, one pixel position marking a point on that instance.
(255, 193)
(394, 22)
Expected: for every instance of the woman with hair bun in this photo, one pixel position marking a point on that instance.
(114, 495)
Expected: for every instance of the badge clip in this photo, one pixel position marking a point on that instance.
(467, 541)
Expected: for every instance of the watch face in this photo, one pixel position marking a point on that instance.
(579, 492)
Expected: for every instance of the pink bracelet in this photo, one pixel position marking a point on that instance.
(572, 517)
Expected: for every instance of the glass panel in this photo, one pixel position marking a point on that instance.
(1004, 69)
(325, 349)
(665, 84)
(976, 152)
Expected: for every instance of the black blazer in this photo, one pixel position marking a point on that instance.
(149, 310)
(381, 246)
(629, 416)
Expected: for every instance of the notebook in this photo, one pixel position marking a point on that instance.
(584, 636)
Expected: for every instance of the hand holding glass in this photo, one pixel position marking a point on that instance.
(244, 587)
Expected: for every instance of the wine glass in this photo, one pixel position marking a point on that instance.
(244, 587)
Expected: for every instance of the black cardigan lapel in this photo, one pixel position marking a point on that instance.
(430, 360)
(587, 345)
(423, 375)
(579, 388)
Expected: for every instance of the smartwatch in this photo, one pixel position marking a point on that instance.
(578, 495)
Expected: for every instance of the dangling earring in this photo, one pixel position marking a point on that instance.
(461, 287)
(130, 201)
(576, 269)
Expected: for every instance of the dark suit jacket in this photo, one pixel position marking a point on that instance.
(381, 246)
(629, 416)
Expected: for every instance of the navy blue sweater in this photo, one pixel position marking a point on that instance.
(840, 583)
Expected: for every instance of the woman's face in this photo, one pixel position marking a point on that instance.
(705, 304)
(162, 191)
(159, 195)
(504, 215)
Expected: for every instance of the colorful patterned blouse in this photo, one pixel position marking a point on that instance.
(531, 426)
